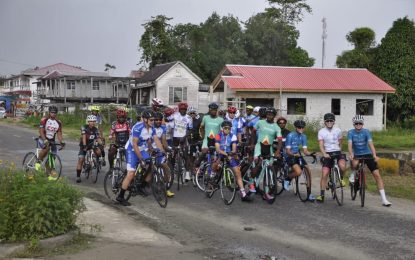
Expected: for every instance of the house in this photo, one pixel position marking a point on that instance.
(307, 93)
(172, 82)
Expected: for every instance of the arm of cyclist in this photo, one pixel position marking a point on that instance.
(219, 151)
(373, 150)
(158, 143)
(322, 150)
(136, 149)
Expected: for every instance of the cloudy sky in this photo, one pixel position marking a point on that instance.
(90, 33)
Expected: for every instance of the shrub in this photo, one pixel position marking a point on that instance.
(35, 208)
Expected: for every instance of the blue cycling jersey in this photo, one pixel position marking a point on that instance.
(360, 140)
(143, 134)
(226, 141)
(294, 140)
(236, 125)
(253, 121)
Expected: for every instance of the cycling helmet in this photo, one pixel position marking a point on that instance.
(271, 110)
(147, 114)
(182, 106)
(281, 118)
(191, 109)
(262, 111)
(158, 115)
(157, 102)
(329, 116)
(168, 111)
(249, 107)
(237, 114)
(358, 119)
(213, 106)
(256, 109)
(226, 123)
(121, 112)
(53, 109)
(299, 123)
(90, 118)
(232, 110)
(95, 108)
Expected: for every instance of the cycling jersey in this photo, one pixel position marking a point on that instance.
(143, 134)
(181, 124)
(294, 140)
(253, 121)
(51, 126)
(226, 141)
(212, 128)
(237, 125)
(360, 140)
(330, 138)
(91, 134)
(160, 131)
(169, 126)
(267, 133)
(195, 130)
(121, 132)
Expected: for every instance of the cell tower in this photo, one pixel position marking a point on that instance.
(324, 37)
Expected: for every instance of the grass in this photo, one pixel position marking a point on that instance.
(399, 186)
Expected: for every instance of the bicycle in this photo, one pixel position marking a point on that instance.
(196, 154)
(224, 180)
(113, 179)
(304, 180)
(359, 182)
(179, 165)
(205, 169)
(158, 185)
(334, 182)
(92, 164)
(52, 162)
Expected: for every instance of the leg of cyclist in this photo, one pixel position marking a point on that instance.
(112, 151)
(296, 171)
(325, 171)
(132, 163)
(373, 167)
(342, 166)
(81, 160)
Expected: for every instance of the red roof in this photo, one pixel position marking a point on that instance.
(303, 79)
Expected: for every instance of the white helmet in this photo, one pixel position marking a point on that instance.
(157, 102)
(237, 114)
(191, 109)
(358, 119)
(256, 109)
(90, 118)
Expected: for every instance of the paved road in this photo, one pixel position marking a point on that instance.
(288, 229)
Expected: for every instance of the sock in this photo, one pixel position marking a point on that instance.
(122, 192)
(382, 195)
(322, 193)
(78, 173)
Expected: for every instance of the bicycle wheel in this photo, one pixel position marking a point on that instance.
(354, 187)
(271, 181)
(337, 186)
(181, 172)
(112, 183)
(56, 167)
(28, 163)
(200, 177)
(95, 169)
(362, 188)
(158, 188)
(228, 186)
(279, 182)
(302, 182)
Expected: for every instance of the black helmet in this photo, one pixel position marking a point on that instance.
(158, 115)
(226, 123)
(147, 114)
(262, 111)
(329, 116)
(213, 106)
(271, 110)
(299, 123)
(53, 109)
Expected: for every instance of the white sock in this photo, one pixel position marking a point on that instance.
(383, 195)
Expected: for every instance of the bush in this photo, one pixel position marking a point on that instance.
(36, 208)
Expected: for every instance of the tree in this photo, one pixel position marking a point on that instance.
(288, 11)
(394, 62)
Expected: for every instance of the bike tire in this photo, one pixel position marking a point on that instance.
(28, 163)
(362, 188)
(302, 182)
(338, 189)
(200, 177)
(58, 165)
(95, 169)
(279, 182)
(272, 182)
(228, 186)
(158, 188)
(112, 183)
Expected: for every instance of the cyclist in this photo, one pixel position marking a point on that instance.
(225, 144)
(209, 128)
(282, 123)
(182, 123)
(330, 140)
(161, 134)
(292, 148)
(137, 147)
(121, 130)
(168, 120)
(89, 134)
(237, 123)
(157, 104)
(49, 128)
(249, 113)
(194, 137)
(95, 112)
(267, 131)
(360, 145)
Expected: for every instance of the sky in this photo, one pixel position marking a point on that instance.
(90, 33)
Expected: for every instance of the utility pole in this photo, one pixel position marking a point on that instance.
(324, 36)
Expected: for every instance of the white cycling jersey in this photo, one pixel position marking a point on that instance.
(330, 138)
(181, 124)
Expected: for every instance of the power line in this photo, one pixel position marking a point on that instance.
(16, 62)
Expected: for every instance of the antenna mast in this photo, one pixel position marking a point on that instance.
(324, 36)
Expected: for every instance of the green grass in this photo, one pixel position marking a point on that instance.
(399, 186)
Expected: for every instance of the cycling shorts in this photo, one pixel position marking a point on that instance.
(132, 159)
(371, 163)
(329, 162)
(232, 162)
(41, 145)
(295, 160)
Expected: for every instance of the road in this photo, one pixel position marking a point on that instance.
(287, 229)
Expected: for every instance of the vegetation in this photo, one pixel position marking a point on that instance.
(35, 208)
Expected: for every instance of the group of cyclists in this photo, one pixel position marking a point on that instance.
(165, 129)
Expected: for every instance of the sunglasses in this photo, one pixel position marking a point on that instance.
(192, 113)
(226, 128)
(300, 127)
(281, 123)
(151, 120)
(329, 121)
(158, 119)
(231, 112)
(358, 123)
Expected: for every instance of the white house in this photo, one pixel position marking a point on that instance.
(307, 93)
(171, 82)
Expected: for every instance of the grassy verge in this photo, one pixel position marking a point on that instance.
(395, 185)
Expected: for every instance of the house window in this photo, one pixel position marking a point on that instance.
(296, 106)
(335, 106)
(70, 85)
(364, 107)
(177, 94)
(95, 85)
